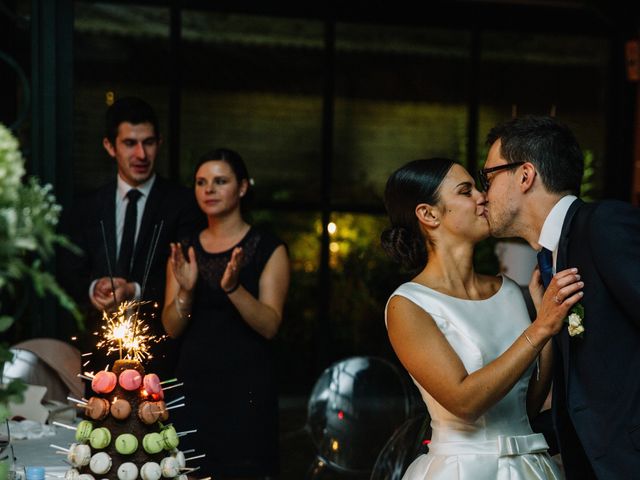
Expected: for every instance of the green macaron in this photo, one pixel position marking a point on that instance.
(83, 432)
(100, 438)
(153, 443)
(126, 444)
(170, 438)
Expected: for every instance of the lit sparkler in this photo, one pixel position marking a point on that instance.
(126, 333)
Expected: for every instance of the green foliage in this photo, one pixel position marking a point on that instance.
(362, 279)
(29, 215)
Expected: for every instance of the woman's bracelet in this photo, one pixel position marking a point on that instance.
(179, 301)
(537, 356)
(232, 289)
(529, 341)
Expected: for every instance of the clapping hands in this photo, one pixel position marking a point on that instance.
(185, 271)
(231, 275)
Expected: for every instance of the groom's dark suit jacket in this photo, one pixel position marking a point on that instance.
(170, 204)
(597, 377)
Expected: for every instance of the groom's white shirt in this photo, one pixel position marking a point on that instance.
(552, 226)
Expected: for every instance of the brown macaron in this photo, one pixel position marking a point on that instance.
(161, 408)
(120, 409)
(148, 413)
(97, 408)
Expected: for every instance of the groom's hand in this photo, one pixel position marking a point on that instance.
(536, 289)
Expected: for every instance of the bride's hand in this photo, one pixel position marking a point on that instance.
(564, 291)
(186, 272)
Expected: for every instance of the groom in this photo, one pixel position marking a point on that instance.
(115, 227)
(532, 177)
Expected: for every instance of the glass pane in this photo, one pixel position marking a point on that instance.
(294, 342)
(542, 74)
(119, 50)
(254, 84)
(362, 279)
(400, 95)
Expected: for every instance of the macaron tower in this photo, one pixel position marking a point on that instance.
(125, 433)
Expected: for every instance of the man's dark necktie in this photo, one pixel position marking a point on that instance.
(128, 234)
(545, 262)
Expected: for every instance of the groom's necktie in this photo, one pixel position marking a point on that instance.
(545, 262)
(128, 234)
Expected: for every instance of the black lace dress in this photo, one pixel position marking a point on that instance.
(228, 372)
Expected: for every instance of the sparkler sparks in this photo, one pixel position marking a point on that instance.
(126, 333)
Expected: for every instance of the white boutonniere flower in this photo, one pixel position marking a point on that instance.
(575, 321)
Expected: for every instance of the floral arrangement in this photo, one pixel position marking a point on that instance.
(29, 215)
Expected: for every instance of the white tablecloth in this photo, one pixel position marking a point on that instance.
(38, 453)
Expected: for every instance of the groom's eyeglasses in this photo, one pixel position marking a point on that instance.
(482, 174)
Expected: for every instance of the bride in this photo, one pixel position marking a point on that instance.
(482, 367)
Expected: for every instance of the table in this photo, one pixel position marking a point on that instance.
(37, 452)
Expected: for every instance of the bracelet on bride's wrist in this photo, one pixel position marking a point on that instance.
(529, 341)
(537, 349)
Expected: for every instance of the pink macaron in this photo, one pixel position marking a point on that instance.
(159, 395)
(130, 379)
(104, 382)
(151, 384)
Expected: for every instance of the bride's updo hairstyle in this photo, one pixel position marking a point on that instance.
(416, 182)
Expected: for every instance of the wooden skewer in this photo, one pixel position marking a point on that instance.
(197, 456)
(173, 386)
(59, 448)
(69, 427)
(189, 470)
(175, 401)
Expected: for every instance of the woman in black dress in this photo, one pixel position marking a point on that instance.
(224, 300)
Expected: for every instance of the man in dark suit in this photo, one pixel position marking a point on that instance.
(533, 174)
(133, 208)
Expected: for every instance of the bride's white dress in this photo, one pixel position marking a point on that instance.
(499, 445)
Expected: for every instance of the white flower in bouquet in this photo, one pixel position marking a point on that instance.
(11, 166)
(29, 215)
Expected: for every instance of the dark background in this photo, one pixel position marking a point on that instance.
(323, 101)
